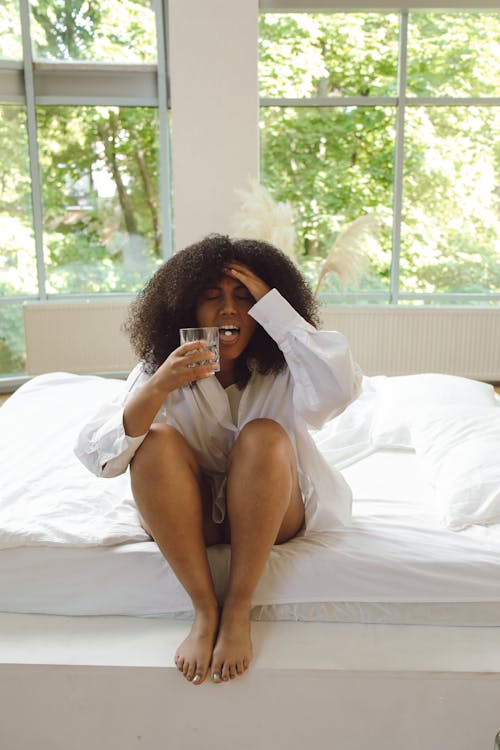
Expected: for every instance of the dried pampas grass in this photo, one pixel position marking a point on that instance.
(348, 258)
(260, 217)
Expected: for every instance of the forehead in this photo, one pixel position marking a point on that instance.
(225, 282)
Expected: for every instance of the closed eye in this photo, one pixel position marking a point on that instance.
(212, 294)
(243, 294)
(240, 293)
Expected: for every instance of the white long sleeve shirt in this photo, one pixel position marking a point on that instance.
(318, 383)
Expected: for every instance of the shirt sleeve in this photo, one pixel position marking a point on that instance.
(102, 445)
(325, 378)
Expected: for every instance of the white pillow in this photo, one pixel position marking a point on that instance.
(346, 438)
(461, 458)
(402, 398)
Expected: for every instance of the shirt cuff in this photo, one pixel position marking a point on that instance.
(113, 441)
(277, 316)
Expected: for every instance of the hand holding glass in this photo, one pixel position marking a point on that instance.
(208, 334)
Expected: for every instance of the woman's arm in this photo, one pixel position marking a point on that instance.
(325, 378)
(175, 372)
(109, 441)
(324, 375)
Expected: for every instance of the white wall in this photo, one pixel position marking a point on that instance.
(213, 57)
(214, 98)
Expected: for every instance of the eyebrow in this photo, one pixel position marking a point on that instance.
(218, 287)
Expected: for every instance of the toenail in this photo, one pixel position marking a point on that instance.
(216, 677)
(197, 678)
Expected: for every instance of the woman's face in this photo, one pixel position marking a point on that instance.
(226, 306)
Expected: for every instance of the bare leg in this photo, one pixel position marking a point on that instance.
(265, 507)
(169, 494)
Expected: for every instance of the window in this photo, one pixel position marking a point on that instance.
(393, 115)
(84, 192)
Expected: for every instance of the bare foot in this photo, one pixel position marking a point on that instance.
(193, 656)
(233, 649)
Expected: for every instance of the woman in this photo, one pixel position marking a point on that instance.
(224, 456)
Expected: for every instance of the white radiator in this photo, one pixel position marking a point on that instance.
(404, 340)
(81, 337)
(86, 337)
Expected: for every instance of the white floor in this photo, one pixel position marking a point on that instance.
(108, 682)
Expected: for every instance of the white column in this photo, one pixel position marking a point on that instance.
(214, 89)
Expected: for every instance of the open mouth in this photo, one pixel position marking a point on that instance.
(228, 334)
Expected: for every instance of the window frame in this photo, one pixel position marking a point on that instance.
(401, 102)
(32, 83)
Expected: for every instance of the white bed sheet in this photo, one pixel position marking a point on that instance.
(71, 543)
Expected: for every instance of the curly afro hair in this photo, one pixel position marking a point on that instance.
(168, 301)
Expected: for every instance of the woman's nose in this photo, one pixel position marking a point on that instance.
(228, 303)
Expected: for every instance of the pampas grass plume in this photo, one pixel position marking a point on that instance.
(348, 258)
(260, 217)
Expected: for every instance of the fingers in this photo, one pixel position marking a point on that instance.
(239, 269)
(192, 346)
(198, 362)
(193, 353)
(194, 372)
(200, 357)
(255, 285)
(186, 364)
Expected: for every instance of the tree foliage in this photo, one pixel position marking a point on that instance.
(10, 39)
(335, 164)
(99, 165)
(109, 30)
(100, 195)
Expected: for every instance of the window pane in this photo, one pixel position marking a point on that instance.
(100, 196)
(339, 54)
(333, 166)
(451, 222)
(12, 344)
(454, 54)
(11, 47)
(105, 31)
(17, 259)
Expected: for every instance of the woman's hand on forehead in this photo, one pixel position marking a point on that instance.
(248, 278)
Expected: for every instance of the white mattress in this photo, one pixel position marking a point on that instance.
(71, 544)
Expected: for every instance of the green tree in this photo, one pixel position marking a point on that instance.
(114, 239)
(10, 38)
(334, 164)
(93, 241)
(109, 30)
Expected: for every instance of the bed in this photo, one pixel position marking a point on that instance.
(423, 546)
(418, 567)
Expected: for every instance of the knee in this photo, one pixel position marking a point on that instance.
(264, 436)
(162, 439)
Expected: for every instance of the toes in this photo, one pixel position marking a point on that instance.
(228, 670)
(216, 672)
(179, 662)
(199, 675)
(239, 667)
(195, 673)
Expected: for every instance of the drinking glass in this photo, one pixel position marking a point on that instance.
(209, 334)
